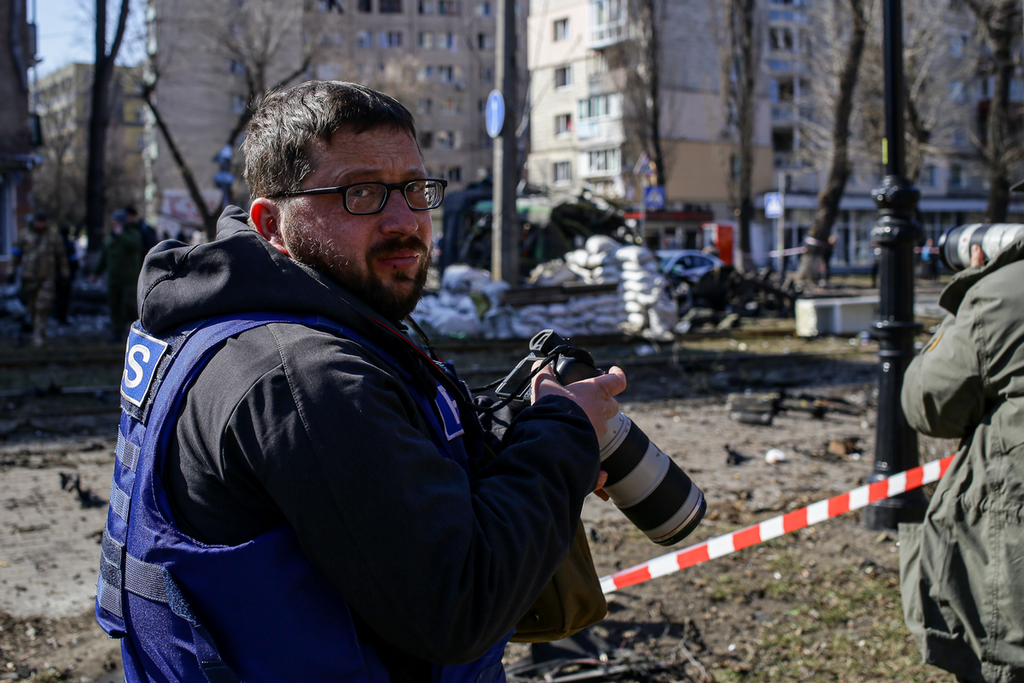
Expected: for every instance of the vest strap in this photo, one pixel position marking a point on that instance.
(127, 453)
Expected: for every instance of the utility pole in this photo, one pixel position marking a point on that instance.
(505, 231)
(896, 232)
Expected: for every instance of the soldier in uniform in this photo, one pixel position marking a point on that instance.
(39, 251)
(121, 260)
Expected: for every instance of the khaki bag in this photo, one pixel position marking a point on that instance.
(571, 601)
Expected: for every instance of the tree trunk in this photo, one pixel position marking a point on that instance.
(744, 41)
(99, 120)
(814, 260)
(209, 218)
(1001, 22)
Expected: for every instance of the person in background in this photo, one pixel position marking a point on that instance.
(62, 300)
(39, 252)
(962, 569)
(121, 260)
(149, 238)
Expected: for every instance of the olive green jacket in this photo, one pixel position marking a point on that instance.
(962, 569)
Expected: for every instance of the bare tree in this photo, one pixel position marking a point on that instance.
(60, 179)
(936, 58)
(999, 22)
(640, 61)
(99, 120)
(741, 63)
(251, 36)
(839, 170)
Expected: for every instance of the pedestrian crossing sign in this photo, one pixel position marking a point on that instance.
(773, 207)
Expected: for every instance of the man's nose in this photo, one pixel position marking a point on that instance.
(399, 217)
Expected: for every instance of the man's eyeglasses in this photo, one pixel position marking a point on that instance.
(362, 199)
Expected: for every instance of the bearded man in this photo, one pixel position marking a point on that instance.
(301, 492)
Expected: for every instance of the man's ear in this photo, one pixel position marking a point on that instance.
(266, 217)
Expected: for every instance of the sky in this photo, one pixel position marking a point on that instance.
(65, 30)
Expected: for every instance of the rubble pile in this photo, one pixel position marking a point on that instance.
(635, 299)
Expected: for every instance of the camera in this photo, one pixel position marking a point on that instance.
(955, 244)
(643, 481)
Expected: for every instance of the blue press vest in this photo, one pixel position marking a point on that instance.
(259, 611)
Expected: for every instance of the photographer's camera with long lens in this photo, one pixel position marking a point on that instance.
(650, 489)
(955, 244)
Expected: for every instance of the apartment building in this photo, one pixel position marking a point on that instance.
(581, 138)
(63, 101)
(951, 94)
(16, 129)
(436, 56)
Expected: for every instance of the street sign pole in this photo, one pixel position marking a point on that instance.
(780, 228)
(505, 231)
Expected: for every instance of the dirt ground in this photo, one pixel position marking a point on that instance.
(821, 604)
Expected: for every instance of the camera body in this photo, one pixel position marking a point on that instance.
(955, 244)
(643, 481)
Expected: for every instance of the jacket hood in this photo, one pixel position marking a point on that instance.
(239, 272)
(953, 295)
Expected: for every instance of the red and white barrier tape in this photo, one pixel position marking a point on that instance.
(777, 526)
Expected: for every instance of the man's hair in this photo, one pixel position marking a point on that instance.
(279, 139)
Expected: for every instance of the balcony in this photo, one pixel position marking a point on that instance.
(608, 23)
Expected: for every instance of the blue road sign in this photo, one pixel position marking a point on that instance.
(773, 207)
(494, 113)
(654, 197)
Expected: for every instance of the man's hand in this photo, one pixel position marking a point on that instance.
(977, 256)
(594, 395)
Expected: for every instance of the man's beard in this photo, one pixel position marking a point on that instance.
(367, 285)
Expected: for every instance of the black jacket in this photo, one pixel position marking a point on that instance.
(290, 425)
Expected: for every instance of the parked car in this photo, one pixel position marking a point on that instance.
(686, 265)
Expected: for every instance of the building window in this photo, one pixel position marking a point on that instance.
(364, 39)
(447, 139)
(329, 6)
(449, 107)
(446, 74)
(734, 166)
(426, 139)
(486, 74)
(563, 124)
(783, 140)
(929, 176)
(484, 41)
(453, 173)
(782, 39)
(446, 41)
(426, 6)
(426, 74)
(561, 29)
(238, 104)
(390, 39)
(390, 6)
(483, 9)
(562, 172)
(364, 5)
(604, 160)
(236, 67)
(425, 106)
(956, 176)
(595, 107)
(449, 7)
(425, 40)
(563, 76)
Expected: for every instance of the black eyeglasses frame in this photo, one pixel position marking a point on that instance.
(389, 187)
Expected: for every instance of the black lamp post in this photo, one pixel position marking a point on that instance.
(896, 233)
